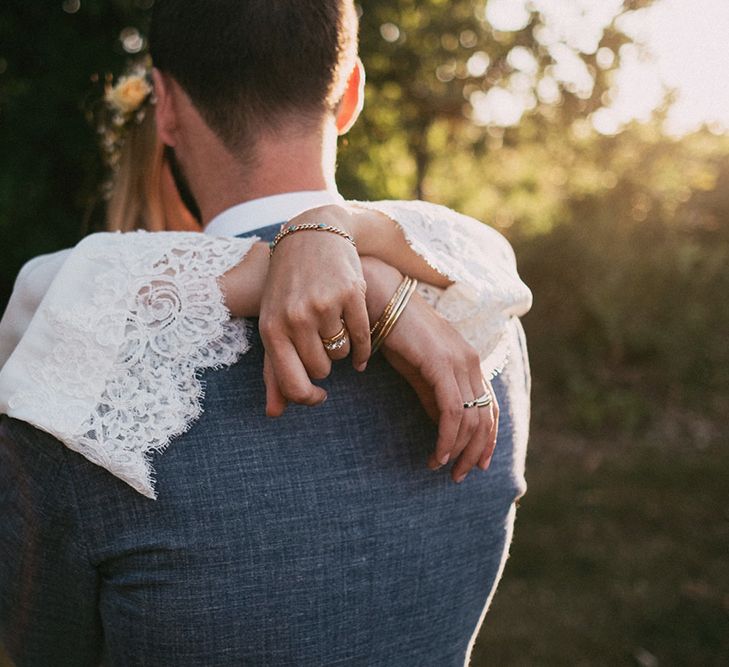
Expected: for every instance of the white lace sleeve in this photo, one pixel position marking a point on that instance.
(109, 362)
(486, 290)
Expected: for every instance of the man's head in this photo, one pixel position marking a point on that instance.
(251, 67)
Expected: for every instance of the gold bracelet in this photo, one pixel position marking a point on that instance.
(390, 305)
(313, 227)
(399, 307)
(394, 309)
(395, 316)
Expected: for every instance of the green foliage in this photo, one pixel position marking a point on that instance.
(630, 322)
(623, 240)
(49, 166)
(432, 63)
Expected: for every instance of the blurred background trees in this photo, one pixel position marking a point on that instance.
(492, 107)
(484, 106)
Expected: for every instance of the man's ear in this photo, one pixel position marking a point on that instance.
(352, 100)
(164, 110)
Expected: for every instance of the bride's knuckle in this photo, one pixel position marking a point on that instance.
(267, 327)
(472, 357)
(454, 411)
(297, 316)
(319, 309)
(320, 369)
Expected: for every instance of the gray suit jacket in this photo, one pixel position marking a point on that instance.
(319, 538)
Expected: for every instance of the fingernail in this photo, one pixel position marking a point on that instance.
(362, 366)
(444, 459)
(461, 478)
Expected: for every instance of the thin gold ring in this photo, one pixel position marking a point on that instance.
(337, 341)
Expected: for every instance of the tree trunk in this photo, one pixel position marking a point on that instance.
(422, 160)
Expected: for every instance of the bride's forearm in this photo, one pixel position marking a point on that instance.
(378, 236)
(243, 285)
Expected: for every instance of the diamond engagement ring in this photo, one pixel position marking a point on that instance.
(482, 401)
(335, 342)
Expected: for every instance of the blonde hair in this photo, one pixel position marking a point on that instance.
(142, 191)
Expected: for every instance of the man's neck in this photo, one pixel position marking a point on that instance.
(294, 165)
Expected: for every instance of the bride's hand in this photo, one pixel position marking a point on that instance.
(314, 287)
(444, 371)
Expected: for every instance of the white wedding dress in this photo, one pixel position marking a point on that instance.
(101, 345)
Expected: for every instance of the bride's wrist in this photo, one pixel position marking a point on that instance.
(242, 286)
(382, 282)
(371, 230)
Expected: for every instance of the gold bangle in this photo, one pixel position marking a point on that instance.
(396, 313)
(390, 305)
(392, 320)
(313, 227)
(394, 309)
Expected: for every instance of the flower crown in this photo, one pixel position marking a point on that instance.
(124, 105)
(126, 99)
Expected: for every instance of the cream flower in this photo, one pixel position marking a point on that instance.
(128, 94)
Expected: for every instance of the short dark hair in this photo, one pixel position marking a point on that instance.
(247, 64)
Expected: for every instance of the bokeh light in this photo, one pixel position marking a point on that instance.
(685, 49)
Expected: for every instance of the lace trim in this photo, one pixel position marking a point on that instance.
(121, 378)
(486, 291)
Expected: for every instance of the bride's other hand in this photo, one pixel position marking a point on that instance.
(443, 369)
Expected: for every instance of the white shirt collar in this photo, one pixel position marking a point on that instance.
(257, 213)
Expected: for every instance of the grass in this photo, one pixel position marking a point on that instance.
(620, 557)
